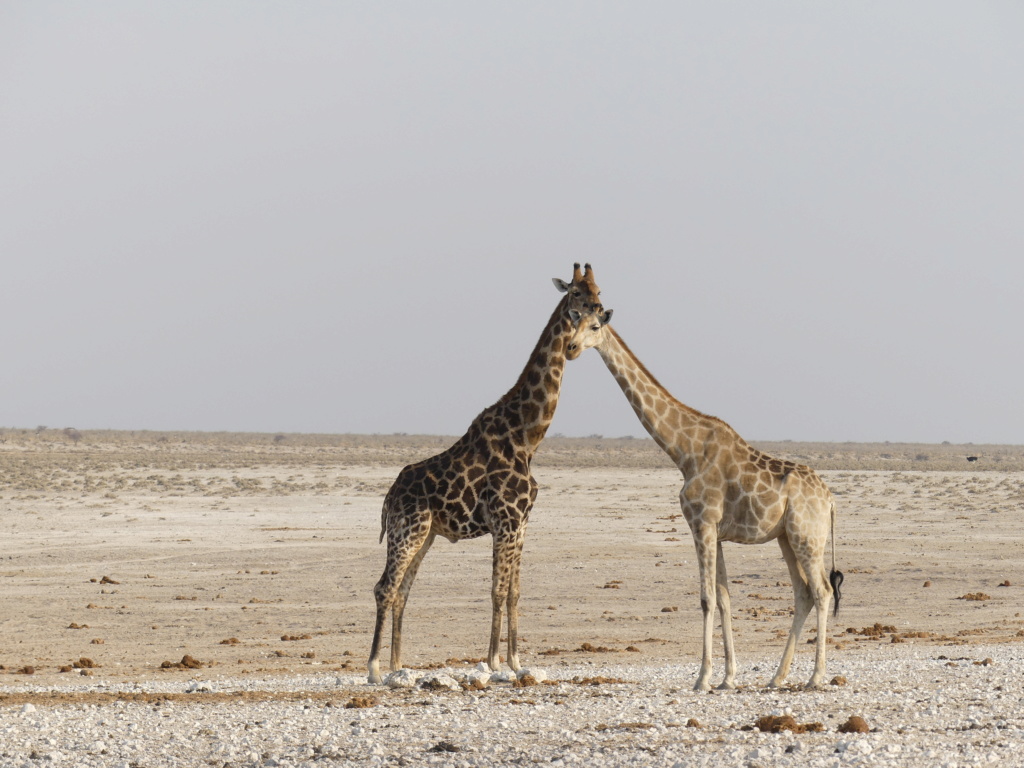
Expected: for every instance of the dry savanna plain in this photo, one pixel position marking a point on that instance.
(206, 599)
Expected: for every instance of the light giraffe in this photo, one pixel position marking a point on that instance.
(483, 484)
(734, 492)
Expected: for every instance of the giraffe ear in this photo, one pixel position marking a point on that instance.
(607, 317)
(575, 316)
(561, 285)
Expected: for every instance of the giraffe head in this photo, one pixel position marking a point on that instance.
(583, 305)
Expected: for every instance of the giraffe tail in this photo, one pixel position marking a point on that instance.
(835, 578)
(383, 520)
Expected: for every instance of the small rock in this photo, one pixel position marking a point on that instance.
(28, 709)
(538, 675)
(440, 683)
(477, 681)
(403, 678)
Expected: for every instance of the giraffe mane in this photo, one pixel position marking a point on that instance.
(541, 342)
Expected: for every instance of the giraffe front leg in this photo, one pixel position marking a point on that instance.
(512, 606)
(501, 579)
(706, 563)
(725, 611)
(704, 676)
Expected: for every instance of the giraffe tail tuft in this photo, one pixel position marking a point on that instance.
(835, 578)
(383, 521)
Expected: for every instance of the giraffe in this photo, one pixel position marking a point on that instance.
(483, 484)
(734, 492)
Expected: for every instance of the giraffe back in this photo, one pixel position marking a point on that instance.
(452, 492)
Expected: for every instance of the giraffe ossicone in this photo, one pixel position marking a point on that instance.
(483, 484)
(734, 492)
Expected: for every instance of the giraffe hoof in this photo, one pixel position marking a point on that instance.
(727, 685)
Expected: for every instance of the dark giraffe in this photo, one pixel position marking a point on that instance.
(482, 484)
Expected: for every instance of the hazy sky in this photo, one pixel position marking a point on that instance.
(345, 217)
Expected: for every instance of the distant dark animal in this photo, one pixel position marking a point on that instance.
(972, 458)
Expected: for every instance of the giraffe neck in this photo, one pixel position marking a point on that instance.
(529, 406)
(684, 433)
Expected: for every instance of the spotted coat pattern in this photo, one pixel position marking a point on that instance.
(483, 484)
(734, 492)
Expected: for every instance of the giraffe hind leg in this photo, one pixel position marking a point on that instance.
(802, 603)
(401, 552)
(398, 610)
(373, 666)
(822, 595)
(820, 591)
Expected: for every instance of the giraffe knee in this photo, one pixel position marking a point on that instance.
(384, 594)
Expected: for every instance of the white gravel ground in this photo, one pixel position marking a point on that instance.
(926, 706)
